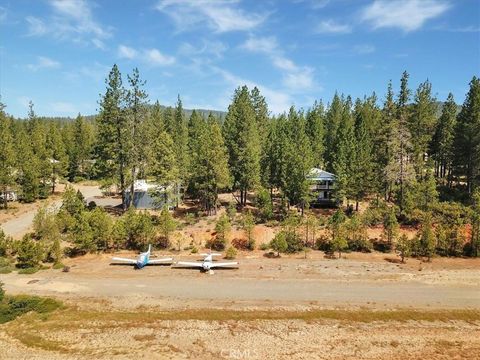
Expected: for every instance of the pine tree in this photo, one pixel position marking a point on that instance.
(209, 170)
(114, 133)
(298, 160)
(383, 143)
(362, 165)
(180, 139)
(80, 148)
(333, 120)
(390, 227)
(422, 125)
(241, 138)
(37, 134)
(7, 155)
(136, 100)
(315, 119)
(342, 161)
(58, 160)
(475, 221)
(442, 141)
(400, 171)
(164, 166)
(467, 138)
(427, 238)
(27, 164)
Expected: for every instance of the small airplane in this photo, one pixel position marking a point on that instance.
(144, 259)
(207, 264)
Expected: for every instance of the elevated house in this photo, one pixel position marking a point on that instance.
(322, 186)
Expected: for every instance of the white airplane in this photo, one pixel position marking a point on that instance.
(144, 259)
(207, 264)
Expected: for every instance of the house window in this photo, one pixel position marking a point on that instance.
(325, 195)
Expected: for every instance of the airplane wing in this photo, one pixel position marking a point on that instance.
(192, 264)
(130, 261)
(214, 265)
(159, 261)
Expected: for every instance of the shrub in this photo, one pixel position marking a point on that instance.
(264, 246)
(231, 253)
(28, 271)
(6, 244)
(2, 291)
(216, 243)
(58, 265)
(264, 205)
(15, 306)
(279, 243)
(248, 225)
(194, 250)
(403, 247)
(134, 230)
(29, 252)
(231, 211)
(241, 244)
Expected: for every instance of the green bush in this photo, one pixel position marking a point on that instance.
(264, 246)
(194, 250)
(29, 252)
(264, 205)
(231, 253)
(28, 271)
(14, 306)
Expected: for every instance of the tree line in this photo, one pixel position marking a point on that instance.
(399, 150)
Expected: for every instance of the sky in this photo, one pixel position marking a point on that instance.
(57, 53)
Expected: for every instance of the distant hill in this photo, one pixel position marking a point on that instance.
(187, 112)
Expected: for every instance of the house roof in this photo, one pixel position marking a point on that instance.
(319, 174)
(141, 185)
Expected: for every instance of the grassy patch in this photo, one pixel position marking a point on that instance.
(13, 306)
(6, 269)
(27, 271)
(365, 316)
(58, 266)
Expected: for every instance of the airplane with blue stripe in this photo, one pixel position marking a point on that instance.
(144, 259)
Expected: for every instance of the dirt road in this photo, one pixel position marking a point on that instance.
(260, 282)
(22, 223)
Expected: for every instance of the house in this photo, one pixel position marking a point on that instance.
(322, 186)
(150, 195)
(10, 194)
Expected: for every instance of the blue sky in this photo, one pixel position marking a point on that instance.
(57, 53)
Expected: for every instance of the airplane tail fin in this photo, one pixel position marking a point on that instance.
(149, 247)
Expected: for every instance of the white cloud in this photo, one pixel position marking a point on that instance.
(43, 62)
(278, 101)
(408, 15)
(98, 43)
(216, 48)
(152, 56)
(155, 57)
(466, 29)
(364, 49)
(263, 44)
(72, 20)
(295, 77)
(63, 108)
(36, 27)
(314, 4)
(333, 27)
(127, 52)
(221, 16)
(299, 80)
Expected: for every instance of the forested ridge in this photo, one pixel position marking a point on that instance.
(400, 151)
